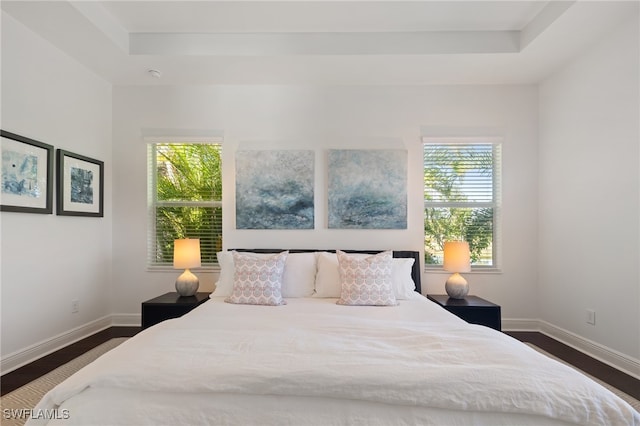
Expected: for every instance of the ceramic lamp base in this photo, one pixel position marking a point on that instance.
(456, 286)
(187, 284)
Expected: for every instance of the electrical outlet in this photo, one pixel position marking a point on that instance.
(591, 317)
(75, 306)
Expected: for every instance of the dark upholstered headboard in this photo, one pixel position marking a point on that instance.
(415, 270)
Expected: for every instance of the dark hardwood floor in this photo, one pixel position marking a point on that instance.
(42, 366)
(27, 373)
(602, 371)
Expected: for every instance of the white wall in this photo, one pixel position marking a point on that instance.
(589, 174)
(49, 260)
(323, 118)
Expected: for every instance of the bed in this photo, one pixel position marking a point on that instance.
(312, 359)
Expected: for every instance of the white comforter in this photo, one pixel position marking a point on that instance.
(413, 355)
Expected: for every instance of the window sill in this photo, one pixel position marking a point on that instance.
(204, 269)
(474, 271)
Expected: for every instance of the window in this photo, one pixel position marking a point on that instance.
(461, 197)
(184, 198)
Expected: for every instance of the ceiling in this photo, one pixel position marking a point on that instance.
(321, 42)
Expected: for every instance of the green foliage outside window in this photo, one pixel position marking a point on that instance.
(459, 199)
(188, 198)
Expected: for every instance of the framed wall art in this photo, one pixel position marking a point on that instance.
(275, 189)
(80, 189)
(367, 189)
(27, 175)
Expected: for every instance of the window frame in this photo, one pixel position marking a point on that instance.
(496, 203)
(152, 195)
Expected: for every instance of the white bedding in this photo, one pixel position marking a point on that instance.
(314, 362)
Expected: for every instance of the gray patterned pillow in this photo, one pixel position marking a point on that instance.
(258, 281)
(366, 281)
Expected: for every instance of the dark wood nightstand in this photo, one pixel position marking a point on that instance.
(472, 309)
(169, 305)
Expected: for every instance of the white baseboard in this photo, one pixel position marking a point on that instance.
(520, 324)
(615, 359)
(126, 320)
(17, 359)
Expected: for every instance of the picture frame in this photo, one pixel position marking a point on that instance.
(80, 185)
(26, 174)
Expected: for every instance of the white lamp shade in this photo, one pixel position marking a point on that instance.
(186, 253)
(456, 256)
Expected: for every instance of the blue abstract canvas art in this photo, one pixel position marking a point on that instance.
(81, 185)
(367, 189)
(275, 189)
(26, 174)
(20, 174)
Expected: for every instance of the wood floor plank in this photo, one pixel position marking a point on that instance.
(602, 371)
(42, 366)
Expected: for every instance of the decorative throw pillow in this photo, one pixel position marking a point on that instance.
(258, 281)
(328, 277)
(366, 281)
(298, 279)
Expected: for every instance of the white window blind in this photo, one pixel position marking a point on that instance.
(461, 197)
(184, 198)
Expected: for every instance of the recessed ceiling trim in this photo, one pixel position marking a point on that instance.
(547, 16)
(551, 38)
(322, 16)
(96, 14)
(267, 44)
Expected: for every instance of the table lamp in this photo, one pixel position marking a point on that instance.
(456, 260)
(186, 254)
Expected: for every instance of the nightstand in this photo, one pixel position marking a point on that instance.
(472, 309)
(169, 305)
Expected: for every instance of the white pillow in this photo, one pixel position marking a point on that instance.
(298, 280)
(366, 282)
(328, 277)
(403, 285)
(258, 281)
(299, 274)
(224, 285)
